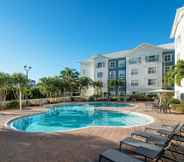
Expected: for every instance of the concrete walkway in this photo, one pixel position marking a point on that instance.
(79, 146)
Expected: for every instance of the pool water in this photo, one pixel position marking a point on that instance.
(71, 117)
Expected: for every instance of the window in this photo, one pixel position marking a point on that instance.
(99, 75)
(168, 58)
(112, 64)
(100, 64)
(121, 91)
(134, 72)
(152, 82)
(167, 68)
(121, 74)
(121, 63)
(135, 60)
(134, 83)
(152, 58)
(151, 70)
(112, 75)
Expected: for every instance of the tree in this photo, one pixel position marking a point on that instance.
(175, 74)
(19, 83)
(98, 85)
(51, 86)
(84, 83)
(70, 79)
(5, 85)
(115, 83)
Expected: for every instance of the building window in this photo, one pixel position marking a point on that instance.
(134, 72)
(152, 58)
(168, 58)
(100, 64)
(112, 75)
(99, 75)
(151, 70)
(135, 60)
(167, 68)
(112, 64)
(152, 82)
(134, 83)
(121, 63)
(121, 74)
(121, 91)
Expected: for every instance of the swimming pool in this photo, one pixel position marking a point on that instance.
(76, 116)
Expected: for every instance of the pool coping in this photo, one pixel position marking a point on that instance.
(8, 126)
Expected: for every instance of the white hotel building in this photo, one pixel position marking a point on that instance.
(141, 69)
(178, 34)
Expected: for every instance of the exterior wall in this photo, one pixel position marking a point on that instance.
(88, 69)
(179, 53)
(142, 68)
(168, 58)
(117, 69)
(98, 69)
(100, 60)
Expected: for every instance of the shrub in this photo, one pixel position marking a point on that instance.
(140, 97)
(92, 98)
(174, 101)
(12, 104)
(179, 108)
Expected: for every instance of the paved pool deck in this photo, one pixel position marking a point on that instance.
(78, 146)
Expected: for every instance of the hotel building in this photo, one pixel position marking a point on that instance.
(138, 70)
(178, 34)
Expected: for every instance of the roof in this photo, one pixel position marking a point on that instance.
(167, 46)
(178, 17)
(124, 53)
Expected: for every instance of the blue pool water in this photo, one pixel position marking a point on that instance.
(69, 117)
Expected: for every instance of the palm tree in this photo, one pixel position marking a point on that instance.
(51, 86)
(19, 82)
(115, 83)
(85, 83)
(175, 74)
(70, 78)
(98, 85)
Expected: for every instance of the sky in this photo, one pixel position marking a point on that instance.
(50, 35)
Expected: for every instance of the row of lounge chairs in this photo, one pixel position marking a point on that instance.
(150, 144)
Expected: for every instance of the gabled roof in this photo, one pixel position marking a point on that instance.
(167, 46)
(178, 17)
(124, 53)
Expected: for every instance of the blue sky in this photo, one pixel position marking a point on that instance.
(52, 34)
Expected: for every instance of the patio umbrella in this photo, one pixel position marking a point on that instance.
(159, 91)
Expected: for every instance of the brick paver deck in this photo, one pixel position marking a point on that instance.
(79, 146)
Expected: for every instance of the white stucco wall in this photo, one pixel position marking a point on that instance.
(179, 46)
(88, 69)
(142, 68)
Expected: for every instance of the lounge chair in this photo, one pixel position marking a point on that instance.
(146, 148)
(117, 156)
(163, 129)
(160, 136)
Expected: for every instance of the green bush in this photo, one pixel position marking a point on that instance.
(174, 101)
(179, 108)
(140, 97)
(92, 98)
(12, 104)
